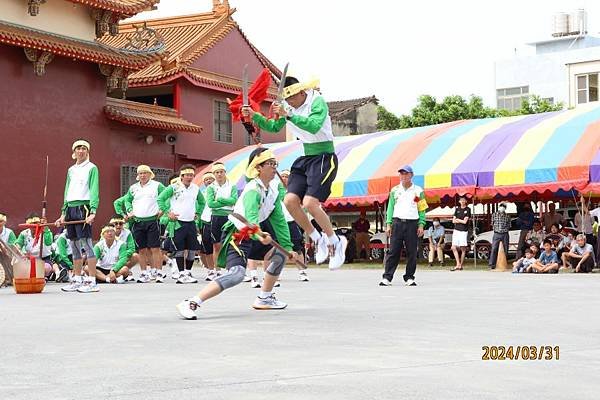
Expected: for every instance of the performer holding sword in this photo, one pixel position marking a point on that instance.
(302, 108)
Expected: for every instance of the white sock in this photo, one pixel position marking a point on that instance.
(77, 278)
(92, 280)
(107, 279)
(153, 270)
(334, 239)
(315, 235)
(253, 273)
(264, 295)
(196, 300)
(120, 279)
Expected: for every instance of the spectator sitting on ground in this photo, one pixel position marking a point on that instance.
(535, 249)
(524, 264)
(547, 263)
(554, 236)
(536, 235)
(581, 256)
(112, 257)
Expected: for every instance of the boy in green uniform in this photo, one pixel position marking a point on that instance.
(259, 204)
(306, 115)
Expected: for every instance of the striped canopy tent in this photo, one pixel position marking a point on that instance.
(542, 154)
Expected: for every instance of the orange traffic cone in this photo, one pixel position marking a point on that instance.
(501, 263)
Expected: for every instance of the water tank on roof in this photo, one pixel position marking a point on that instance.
(578, 22)
(560, 26)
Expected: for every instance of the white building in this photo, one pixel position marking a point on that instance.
(563, 69)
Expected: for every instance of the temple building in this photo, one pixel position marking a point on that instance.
(152, 93)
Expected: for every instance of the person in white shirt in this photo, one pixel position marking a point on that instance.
(405, 223)
(205, 227)
(111, 254)
(183, 203)
(141, 203)
(81, 201)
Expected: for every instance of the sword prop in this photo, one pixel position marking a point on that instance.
(279, 99)
(51, 224)
(39, 234)
(245, 101)
(254, 229)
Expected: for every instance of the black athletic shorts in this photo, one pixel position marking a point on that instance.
(104, 271)
(79, 231)
(167, 245)
(297, 236)
(146, 234)
(259, 250)
(186, 237)
(313, 176)
(207, 240)
(216, 227)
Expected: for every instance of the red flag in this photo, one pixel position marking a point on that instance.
(257, 93)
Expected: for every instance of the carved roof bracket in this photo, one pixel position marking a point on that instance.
(39, 59)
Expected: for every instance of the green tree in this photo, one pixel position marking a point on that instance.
(429, 111)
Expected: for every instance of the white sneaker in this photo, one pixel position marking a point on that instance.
(210, 276)
(247, 278)
(410, 282)
(303, 276)
(186, 277)
(321, 249)
(88, 287)
(160, 277)
(269, 303)
(255, 283)
(187, 309)
(144, 277)
(153, 274)
(130, 278)
(385, 282)
(172, 264)
(339, 256)
(71, 287)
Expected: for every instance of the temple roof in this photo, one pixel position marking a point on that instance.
(18, 35)
(124, 7)
(146, 115)
(187, 38)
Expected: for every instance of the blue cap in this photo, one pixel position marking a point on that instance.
(406, 168)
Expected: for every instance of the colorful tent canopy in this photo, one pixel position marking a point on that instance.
(551, 152)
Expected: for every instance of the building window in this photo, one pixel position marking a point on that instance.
(511, 98)
(129, 173)
(587, 88)
(223, 123)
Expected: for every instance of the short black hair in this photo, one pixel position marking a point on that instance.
(548, 241)
(556, 225)
(290, 80)
(187, 166)
(255, 153)
(528, 250)
(172, 176)
(33, 215)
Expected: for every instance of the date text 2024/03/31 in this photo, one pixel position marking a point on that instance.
(520, 353)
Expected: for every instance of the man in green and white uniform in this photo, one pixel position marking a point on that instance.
(25, 241)
(259, 205)
(306, 115)
(221, 196)
(205, 230)
(124, 235)
(6, 234)
(81, 200)
(183, 203)
(112, 257)
(141, 203)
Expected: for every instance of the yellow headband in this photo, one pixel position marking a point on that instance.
(300, 86)
(34, 220)
(217, 167)
(2, 218)
(115, 220)
(144, 168)
(78, 143)
(106, 229)
(285, 172)
(187, 171)
(208, 175)
(252, 171)
(175, 181)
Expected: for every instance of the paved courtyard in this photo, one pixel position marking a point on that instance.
(342, 337)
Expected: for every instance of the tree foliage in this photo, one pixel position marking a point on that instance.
(452, 108)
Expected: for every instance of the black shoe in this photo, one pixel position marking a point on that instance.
(51, 278)
(63, 275)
